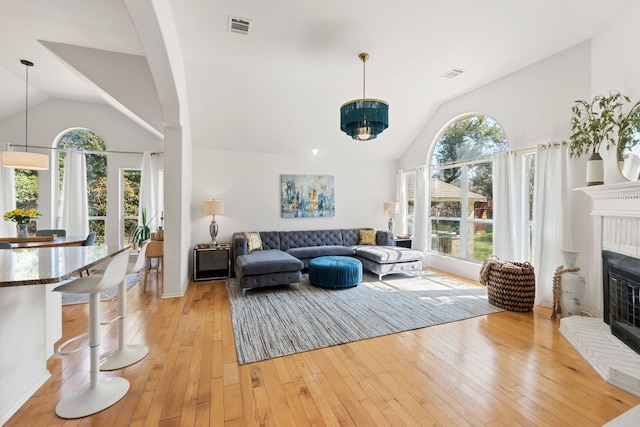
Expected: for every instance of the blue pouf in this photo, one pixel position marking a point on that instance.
(335, 271)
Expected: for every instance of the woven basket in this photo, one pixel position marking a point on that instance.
(512, 288)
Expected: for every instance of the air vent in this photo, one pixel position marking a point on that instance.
(453, 73)
(239, 25)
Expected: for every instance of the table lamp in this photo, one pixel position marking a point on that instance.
(391, 208)
(213, 207)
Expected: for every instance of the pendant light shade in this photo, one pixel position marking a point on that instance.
(24, 160)
(19, 159)
(364, 119)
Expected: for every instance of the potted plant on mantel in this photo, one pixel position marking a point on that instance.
(593, 124)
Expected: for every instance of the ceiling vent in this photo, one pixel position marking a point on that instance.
(239, 25)
(453, 73)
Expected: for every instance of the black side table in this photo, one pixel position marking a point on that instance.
(211, 262)
(403, 243)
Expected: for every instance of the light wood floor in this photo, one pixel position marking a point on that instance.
(504, 369)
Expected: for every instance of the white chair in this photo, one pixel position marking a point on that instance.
(98, 394)
(125, 355)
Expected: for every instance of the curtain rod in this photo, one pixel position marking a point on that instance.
(86, 151)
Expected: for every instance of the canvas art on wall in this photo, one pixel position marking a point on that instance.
(307, 196)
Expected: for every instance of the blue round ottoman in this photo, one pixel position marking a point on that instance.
(335, 271)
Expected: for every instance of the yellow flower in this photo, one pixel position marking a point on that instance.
(20, 216)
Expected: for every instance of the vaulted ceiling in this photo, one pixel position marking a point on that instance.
(279, 88)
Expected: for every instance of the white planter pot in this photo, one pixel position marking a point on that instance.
(595, 170)
(573, 286)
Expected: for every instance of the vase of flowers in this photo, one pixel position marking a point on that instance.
(22, 218)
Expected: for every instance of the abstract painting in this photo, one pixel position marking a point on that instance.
(307, 196)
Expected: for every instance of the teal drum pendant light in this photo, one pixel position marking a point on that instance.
(363, 119)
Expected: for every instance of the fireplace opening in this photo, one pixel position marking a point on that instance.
(621, 288)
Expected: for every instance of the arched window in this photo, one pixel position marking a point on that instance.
(94, 148)
(461, 214)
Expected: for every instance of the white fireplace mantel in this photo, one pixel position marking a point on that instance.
(616, 213)
(619, 200)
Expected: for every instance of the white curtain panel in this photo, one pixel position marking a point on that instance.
(149, 189)
(507, 220)
(7, 195)
(401, 198)
(421, 226)
(552, 231)
(75, 204)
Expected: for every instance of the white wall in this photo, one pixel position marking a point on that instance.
(533, 105)
(51, 118)
(249, 184)
(615, 65)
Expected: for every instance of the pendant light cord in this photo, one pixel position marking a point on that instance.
(27, 64)
(26, 110)
(364, 76)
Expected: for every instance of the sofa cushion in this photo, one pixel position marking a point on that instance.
(367, 237)
(270, 239)
(387, 254)
(254, 242)
(317, 251)
(267, 261)
(304, 238)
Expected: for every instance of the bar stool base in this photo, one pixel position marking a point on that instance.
(86, 401)
(121, 358)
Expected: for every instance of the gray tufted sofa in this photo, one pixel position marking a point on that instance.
(286, 254)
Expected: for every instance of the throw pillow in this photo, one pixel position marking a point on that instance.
(367, 237)
(254, 242)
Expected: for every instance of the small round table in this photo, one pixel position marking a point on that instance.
(335, 272)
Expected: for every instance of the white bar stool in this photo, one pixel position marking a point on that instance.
(98, 394)
(125, 355)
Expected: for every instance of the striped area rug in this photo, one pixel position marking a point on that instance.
(282, 320)
(108, 295)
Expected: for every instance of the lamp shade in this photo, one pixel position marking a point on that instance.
(364, 119)
(214, 207)
(25, 160)
(391, 208)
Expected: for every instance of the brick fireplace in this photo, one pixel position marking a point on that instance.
(616, 209)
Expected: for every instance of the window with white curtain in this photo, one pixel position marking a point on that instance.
(529, 161)
(130, 192)
(26, 188)
(94, 148)
(461, 187)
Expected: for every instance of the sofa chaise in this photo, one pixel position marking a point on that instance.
(269, 258)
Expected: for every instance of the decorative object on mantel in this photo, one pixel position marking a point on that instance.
(568, 286)
(593, 124)
(19, 159)
(213, 207)
(363, 119)
(629, 144)
(391, 209)
(22, 218)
